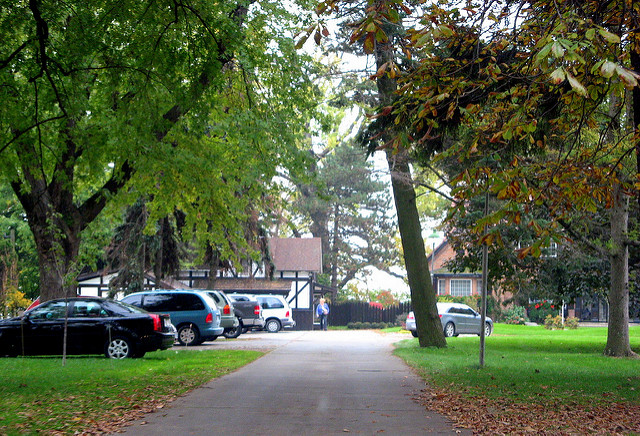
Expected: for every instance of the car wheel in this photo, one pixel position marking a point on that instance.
(449, 330)
(119, 347)
(414, 333)
(487, 329)
(272, 326)
(234, 332)
(189, 335)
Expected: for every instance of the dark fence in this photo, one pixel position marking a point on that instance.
(303, 318)
(356, 311)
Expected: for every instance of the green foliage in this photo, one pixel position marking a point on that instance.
(102, 389)
(356, 292)
(347, 206)
(539, 311)
(515, 315)
(114, 103)
(17, 248)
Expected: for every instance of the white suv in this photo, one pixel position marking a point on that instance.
(276, 312)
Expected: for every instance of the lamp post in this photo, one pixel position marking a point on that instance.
(433, 236)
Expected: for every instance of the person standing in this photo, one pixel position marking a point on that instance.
(322, 311)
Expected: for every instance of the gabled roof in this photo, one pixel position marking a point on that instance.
(253, 286)
(296, 254)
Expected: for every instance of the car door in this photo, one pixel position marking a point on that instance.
(86, 327)
(473, 321)
(467, 318)
(43, 328)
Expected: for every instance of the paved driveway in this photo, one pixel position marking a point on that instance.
(311, 383)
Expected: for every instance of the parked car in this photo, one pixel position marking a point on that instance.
(94, 326)
(228, 319)
(410, 324)
(194, 313)
(456, 318)
(249, 313)
(276, 311)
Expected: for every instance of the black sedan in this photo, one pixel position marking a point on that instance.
(94, 326)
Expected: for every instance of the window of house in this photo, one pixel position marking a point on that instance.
(460, 287)
(551, 250)
(442, 290)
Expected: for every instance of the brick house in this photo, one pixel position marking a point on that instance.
(446, 282)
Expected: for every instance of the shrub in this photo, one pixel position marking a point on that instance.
(515, 315)
(401, 319)
(553, 322)
(368, 325)
(571, 323)
(538, 312)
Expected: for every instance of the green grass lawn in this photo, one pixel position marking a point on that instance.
(527, 363)
(39, 395)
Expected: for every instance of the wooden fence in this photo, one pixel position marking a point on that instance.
(356, 311)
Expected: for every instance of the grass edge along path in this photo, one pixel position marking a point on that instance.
(535, 381)
(92, 395)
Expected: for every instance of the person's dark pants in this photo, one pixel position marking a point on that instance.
(323, 322)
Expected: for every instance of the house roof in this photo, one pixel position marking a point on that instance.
(296, 254)
(253, 286)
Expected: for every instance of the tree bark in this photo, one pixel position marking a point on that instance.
(618, 331)
(423, 296)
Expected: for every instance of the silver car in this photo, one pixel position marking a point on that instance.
(456, 318)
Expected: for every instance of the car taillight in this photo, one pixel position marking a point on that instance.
(157, 323)
(209, 318)
(226, 310)
(256, 310)
(440, 315)
(287, 315)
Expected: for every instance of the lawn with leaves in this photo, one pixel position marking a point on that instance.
(98, 395)
(535, 380)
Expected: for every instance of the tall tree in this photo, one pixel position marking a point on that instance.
(349, 210)
(376, 31)
(135, 95)
(530, 81)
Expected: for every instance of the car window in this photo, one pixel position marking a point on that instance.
(88, 309)
(239, 298)
(469, 312)
(271, 303)
(157, 302)
(134, 300)
(216, 298)
(172, 302)
(122, 307)
(54, 310)
(225, 299)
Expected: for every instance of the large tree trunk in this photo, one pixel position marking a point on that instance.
(618, 331)
(57, 245)
(423, 296)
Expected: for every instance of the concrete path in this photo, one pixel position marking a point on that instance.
(311, 383)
